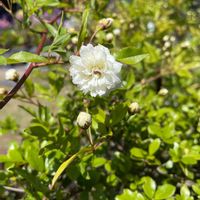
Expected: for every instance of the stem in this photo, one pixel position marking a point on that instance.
(89, 136)
(15, 89)
(14, 189)
(93, 35)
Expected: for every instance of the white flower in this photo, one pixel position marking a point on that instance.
(84, 120)
(95, 71)
(12, 75)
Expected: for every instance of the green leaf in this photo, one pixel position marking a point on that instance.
(196, 189)
(137, 152)
(2, 51)
(190, 159)
(118, 113)
(154, 53)
(165, 191)
(130, 55)
(65, 164)
(3, 60)
(38, 130)
(97, 162)
(83, 31)
(33, 158)
(154, 146)
(128, 52)
(149, 187)
(185, 192)
(51, 29)
(14, 155)
(62, 168)
(29, 87)
(127, 194)
(28, 110)
(23, 56)
(133, 60)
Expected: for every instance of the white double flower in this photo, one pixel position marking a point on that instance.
(95, 71)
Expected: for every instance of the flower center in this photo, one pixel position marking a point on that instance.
(97, 73)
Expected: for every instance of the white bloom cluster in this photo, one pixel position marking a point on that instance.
(95, 71)
(12, 75)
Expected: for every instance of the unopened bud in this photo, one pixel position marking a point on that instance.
(109, 37)
(163, 92)
(75, 40)
(134, 108)
(3, 91)
(167, 54)
(172, 39)
(185, 44)
(12, 75)
(71, 30)
(84, 120)
(105, 23)
(131, 25)
(169, 164)
(165, 38)
(19, 14)
(167, 44)
(116, 31)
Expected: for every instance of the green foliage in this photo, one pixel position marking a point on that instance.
(151, 155)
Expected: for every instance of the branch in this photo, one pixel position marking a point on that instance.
(29, 69)
(14, 189)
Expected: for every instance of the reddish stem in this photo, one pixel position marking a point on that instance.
(29, 69)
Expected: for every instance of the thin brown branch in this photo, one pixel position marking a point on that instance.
(15, 89)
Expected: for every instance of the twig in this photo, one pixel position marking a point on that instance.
(20, 190)
(72, 10)
(29, 69)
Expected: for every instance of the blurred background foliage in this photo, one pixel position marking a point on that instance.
(153, 154)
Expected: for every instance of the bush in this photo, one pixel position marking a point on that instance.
(143, 142)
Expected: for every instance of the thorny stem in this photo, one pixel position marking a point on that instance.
(15, 89)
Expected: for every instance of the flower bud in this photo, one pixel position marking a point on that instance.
(12, 75)
(131, 25)
(19, 14)
(167, 44)
(109, 37)
(116, 31)
(167, 54)
(185, 44)
(71, 30)
(75, 40)
(84, 120)
(105, 23)
(163, 92)
(165, 38)
(169, 164)
(3, 91)
(172, 39)
(134, 108)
